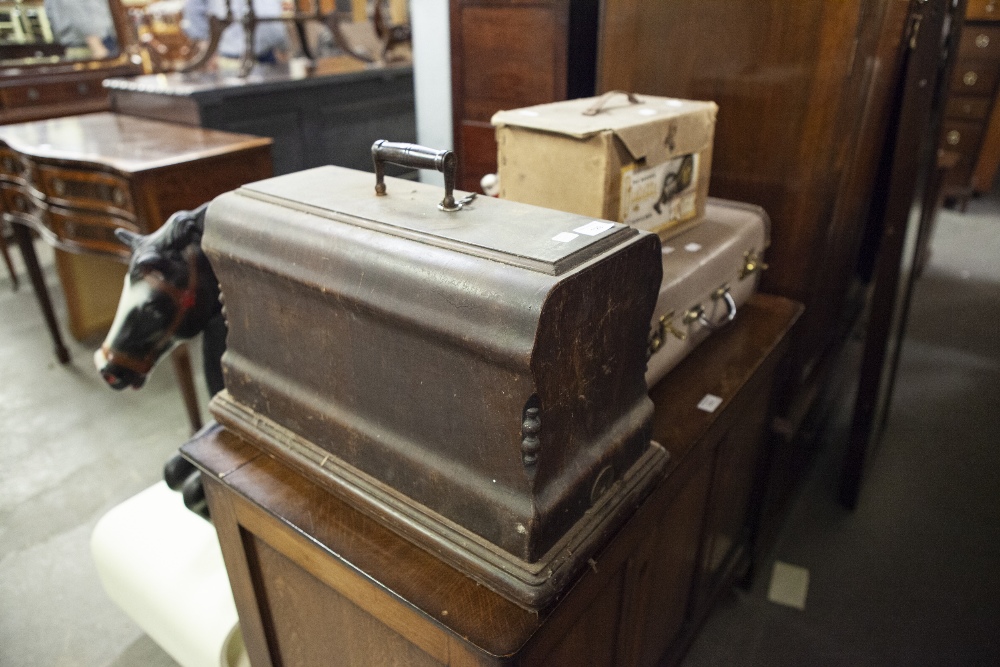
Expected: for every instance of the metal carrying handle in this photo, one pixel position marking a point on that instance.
(697, 314)
(417, 157)
(599, 103)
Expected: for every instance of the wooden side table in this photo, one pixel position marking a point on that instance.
(74, 180)
(317, 581)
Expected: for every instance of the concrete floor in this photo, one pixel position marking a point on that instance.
(70, 449)
(911, 577)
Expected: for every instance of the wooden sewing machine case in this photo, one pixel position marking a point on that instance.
(473, 379)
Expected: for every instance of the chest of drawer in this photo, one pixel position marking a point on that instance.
(983, 10)
(19, 201)
(86, 189)
(16, 167)
(51, 93)
(88, 231)
(980, 42)
(964, 107)
(974, 77)
(962, 137)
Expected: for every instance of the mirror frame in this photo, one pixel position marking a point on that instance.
(130, 59)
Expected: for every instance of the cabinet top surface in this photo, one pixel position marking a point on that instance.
(261, 80)
(126, 143)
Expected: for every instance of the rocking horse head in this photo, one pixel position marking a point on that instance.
(170, 294)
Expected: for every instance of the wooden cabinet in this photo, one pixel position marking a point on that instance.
(314, 578)
(507, 54)
(325, 118)
(971, 127)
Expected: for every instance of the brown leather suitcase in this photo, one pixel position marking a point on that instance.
(709, 271)
(472, 378)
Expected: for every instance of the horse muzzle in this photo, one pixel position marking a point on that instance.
(117, 376)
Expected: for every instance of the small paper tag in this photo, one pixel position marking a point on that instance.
(709, 403)
(594, 228)
(565, 237)
(693, 247)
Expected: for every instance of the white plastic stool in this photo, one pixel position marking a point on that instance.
(163, 566)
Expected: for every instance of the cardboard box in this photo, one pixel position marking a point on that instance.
(639, 160)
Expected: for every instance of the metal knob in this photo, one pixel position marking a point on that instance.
(58, 186)
(953, 137)
(982, 41)
(970, 78)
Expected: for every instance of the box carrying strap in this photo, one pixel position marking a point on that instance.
(599, 103)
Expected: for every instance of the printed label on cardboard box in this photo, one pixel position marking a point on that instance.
(661, 194)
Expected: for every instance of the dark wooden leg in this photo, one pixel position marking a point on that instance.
(6, 257)
(181, 359)
(26, 244)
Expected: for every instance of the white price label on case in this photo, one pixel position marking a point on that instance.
(710, 403)
(594, 228)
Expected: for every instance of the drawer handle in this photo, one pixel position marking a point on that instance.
(33, 94)
(982, 41)
(991, 6)
(953, 137)
(58, 186)
(970, 78)
(83, 88)
(118, 197)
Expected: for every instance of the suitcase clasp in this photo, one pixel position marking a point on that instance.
(752, 263)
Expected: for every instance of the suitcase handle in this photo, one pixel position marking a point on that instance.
(417, 157)
(697, 313)
(599, 103)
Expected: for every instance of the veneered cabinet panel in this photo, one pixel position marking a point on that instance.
(508, 59)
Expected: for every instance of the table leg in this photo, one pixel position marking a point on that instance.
(27, 246)
(181, 359)
(6, 255)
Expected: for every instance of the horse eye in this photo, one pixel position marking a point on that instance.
(152, 263)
